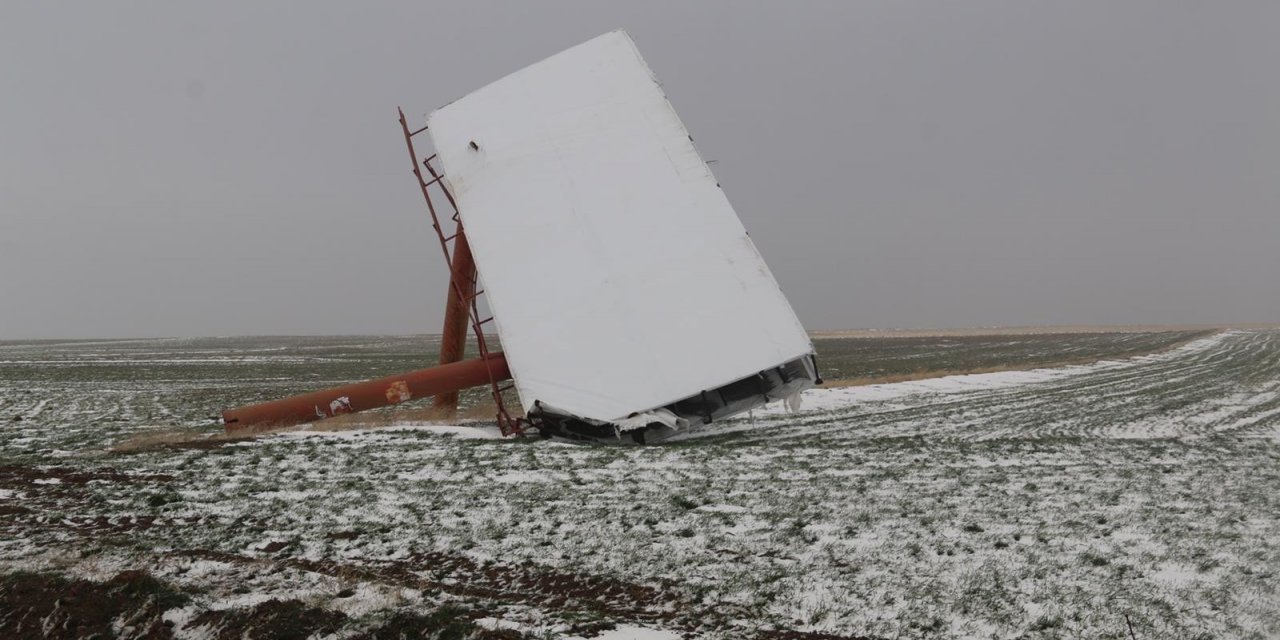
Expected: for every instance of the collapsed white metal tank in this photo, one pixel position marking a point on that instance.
(624, 288)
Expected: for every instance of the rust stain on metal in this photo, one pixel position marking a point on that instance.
(399, 392)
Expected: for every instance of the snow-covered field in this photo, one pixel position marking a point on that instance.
(1137, 497)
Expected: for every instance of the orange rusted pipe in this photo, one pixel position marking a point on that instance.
(360, 396)
(457, 313)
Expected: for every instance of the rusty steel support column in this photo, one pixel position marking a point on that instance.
(367, 395)
(457, 315)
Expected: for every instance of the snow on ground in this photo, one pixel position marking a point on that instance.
(629, 632)
(824, 399)
(1067, 502)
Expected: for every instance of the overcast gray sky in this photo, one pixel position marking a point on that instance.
(184, 169)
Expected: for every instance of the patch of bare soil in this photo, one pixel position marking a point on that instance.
(568, 596)
(41, 606)
(131, 606)
(460, 576)
(178, 440)
(806, 635)
(133, 603)
(446, 623)
(275, 619)
(294, 620)
(15, 476)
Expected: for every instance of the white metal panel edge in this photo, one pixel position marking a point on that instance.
(620, 278)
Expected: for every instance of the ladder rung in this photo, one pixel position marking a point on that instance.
(424, 128)
(485, 321)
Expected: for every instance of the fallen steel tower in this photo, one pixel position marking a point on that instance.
(627, 295)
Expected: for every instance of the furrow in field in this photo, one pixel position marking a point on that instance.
(1110, 404)
(1146, 396)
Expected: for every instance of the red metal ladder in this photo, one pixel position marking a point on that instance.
(506, 422)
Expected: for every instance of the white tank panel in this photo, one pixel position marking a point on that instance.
(619, 276)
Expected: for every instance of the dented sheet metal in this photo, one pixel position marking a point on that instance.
(620, 277)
